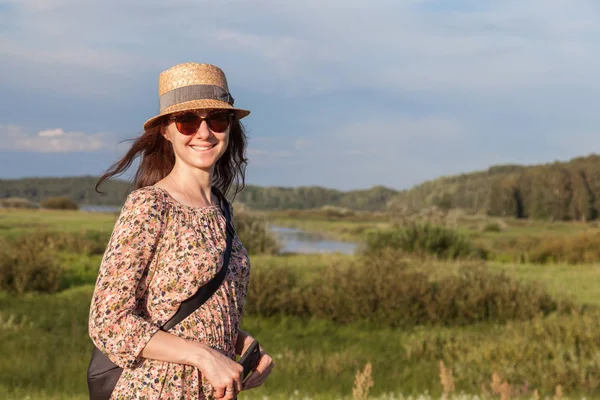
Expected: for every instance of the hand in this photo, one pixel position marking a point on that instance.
(261, 372)
(224, 374)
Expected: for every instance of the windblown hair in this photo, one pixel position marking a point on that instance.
(158, 159)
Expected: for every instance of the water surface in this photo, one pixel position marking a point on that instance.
(297, 241)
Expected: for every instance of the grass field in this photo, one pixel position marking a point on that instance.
(45, 346)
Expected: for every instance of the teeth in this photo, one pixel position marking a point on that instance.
(202, 148)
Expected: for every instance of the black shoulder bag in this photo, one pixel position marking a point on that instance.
(103, 374)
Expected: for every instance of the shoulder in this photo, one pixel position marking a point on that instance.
(146, 200)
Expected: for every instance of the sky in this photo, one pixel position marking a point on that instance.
(344, 94)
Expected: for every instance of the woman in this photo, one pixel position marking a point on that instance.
(168, 241)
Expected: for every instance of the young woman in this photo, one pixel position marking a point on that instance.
(168, 241)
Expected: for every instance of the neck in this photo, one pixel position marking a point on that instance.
(195, 182)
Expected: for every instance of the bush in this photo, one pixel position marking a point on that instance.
(85, 242)
(26, 264)
(275, 290)
(59, 203)
(492, 227)
(540, 353)
(336, 212)
(254, 233)
(583, 248)
(16, 202)
(424, 239)
(387, 291)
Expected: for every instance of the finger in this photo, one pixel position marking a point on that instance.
(239, 382)
(257, 378)
(263, 377)
(251, 381)
(219, 393)
(263, 363)
(256, 373)
(230, 393)
(259, 373)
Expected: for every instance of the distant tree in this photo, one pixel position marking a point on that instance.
(59, 203)
(504, 198)
(559, 190)
(444, 201)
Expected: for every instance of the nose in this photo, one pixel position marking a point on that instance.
(203, 131)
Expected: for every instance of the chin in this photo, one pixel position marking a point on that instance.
(205, 166)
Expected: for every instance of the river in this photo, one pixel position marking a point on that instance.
(292, 240)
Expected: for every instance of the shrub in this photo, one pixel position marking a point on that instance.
(387, 291)
(581, 248)
(254, 233)
(26, 264)
(16, 202)
(336, 212)
(59, 203)
(275, 290)
(85, 242)
(422, 239)
(492, 227)
(540, 353)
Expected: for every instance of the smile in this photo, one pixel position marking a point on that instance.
(203, 148)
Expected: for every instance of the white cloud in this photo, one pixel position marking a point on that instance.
(50, 141)
(297, 48)
(508, 45)
(421, 80)
(368, 142)
(51, 132)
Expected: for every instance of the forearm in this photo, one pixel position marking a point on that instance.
(243, 337)
(167, 347)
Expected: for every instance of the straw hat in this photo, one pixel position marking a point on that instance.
(191, 86)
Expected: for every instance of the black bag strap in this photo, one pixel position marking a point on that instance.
(190, 305)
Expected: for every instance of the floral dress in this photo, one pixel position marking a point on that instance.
(160, 252)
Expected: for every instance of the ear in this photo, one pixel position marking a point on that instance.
(163, 131)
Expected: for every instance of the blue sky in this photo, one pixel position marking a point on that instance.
(344, 94)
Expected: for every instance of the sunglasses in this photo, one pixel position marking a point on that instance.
(189, 122)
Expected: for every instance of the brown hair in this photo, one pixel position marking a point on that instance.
(158, 159)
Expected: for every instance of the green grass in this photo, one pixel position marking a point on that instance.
(45, 347)
(14, 222)
(580, 282)
(309, 266)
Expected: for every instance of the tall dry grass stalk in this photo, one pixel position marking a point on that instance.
(558, 393)
(497, 387)
(363, 381)
(446, 379)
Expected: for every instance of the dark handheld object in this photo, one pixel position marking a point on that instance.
(103, 374)
(250, 358)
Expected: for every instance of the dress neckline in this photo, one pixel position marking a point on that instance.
(179, 204)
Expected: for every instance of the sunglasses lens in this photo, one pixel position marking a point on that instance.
(188, 123)
(219, 122)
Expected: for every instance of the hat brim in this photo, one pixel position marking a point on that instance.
(196, 105)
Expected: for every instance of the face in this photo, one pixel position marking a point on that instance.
(201, 147)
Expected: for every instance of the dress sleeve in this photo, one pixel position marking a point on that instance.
(115, 325)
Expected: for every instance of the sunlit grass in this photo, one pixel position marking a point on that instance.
(14, 222)
(45, 347)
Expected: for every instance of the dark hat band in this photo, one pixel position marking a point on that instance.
(194, 92)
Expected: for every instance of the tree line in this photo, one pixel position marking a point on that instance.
(559, 191)
(556, 191)
(114, 193)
